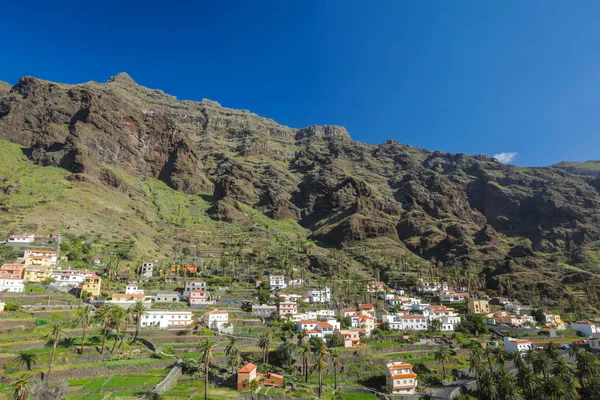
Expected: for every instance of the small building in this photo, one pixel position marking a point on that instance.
(198, 297)
(375, 287)
(585, 328)
(452, 296)
(263, 310)
(512, 345)
(41, 253)
(193, 285)
(39, 261)
(247, 373)
(306, 325)
(216, 320)
(320, 296)
(147, 270)
(126, 300)
(132, 288)
(166, 319)
(400, 378)
(15, 270)
(20, 239)
(37, 274)
(325, 328)
(11, 284)
(166, 297)
(554, 320)
(288, 308)
(350, 338)
(69, 277)
(92, 284)
(2, 306)
(478, 306)
(277, 282)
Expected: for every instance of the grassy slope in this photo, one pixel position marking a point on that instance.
(146, 209)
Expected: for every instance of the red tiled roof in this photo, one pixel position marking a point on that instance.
(247, 368)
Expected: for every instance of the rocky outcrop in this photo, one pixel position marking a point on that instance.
(464, 211)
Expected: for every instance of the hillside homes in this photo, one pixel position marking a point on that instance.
(512, 345)
(218, 321)
(166, 319)
(400, 378)
(452, 296)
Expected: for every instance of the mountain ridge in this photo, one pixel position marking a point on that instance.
(454, 211)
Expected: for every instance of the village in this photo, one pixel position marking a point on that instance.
(272, 333)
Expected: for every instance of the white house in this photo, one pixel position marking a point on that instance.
(147, 270)
(451, 296)
(216, 320)
(51, 254)
(132, 288)
(586, 328)
(166, 319)
(512, 345)
(400, 378)
(277, 282)
(128, 300)
(69, 277)
(320, 296)
(10, 284)
(193, 285)
(20, 239)
(306, 325)
(263, 310)
(288, 307)
(296, 282)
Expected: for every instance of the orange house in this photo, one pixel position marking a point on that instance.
(247, 372)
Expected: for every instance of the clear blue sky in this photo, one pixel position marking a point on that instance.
(458, 76)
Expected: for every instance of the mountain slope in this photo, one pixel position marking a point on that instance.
(588, 168)
(380, 204)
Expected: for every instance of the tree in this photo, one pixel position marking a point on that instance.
(207, 356)
(56, 331)
(231, 346)
(587, 369)
(234, 358)
(443, 355)
(21, 391)
(304, 350)
(319, 366)
(137, 311)
(265, 343)
(473, 324)
(435, 325)
(334, 341)
(334, 354)
(103, 315)
(84, 318)
(26, 359)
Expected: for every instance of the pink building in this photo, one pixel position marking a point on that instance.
(198, 297)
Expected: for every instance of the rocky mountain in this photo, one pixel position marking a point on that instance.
(587, 168)
(533, 231)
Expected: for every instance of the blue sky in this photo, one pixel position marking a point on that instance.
(458, 76)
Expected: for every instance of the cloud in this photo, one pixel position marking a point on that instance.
(506, 158)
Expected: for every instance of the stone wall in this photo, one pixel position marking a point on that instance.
(168, 382)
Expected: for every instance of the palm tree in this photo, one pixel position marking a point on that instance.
(21, 388)
(334, 354)
(231, 346)
(508, 388)
(55, 334)
(587, 368)
(443, 355)
(207, 351)
(541, 363)
(117, 320)
(319, 367)
(26, 359)
(137, 311)
(304, 350)
(525, 378)
(84, 318)
(234, 358)
(103, 315)
(487, 385)
(265, 342)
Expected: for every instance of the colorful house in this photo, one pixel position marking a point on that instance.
(400, 378)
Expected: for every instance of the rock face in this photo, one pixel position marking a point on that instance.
(452, 208)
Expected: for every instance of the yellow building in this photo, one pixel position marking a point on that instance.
(35, 273)
(92, 285)
(39, 262)
(478, 306)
